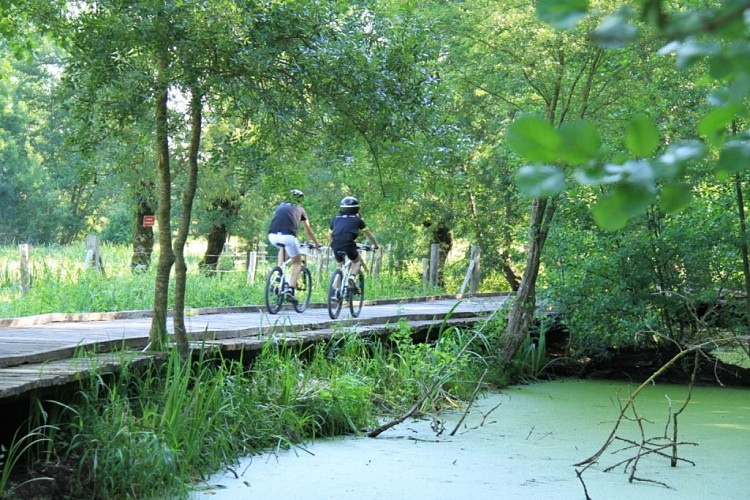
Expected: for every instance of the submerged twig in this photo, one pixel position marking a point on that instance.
(471, 401)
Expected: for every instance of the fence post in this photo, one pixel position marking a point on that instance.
(320, 259)
(252, 265)
(93, 257)
(262, 252)
(25, 272)
(434, 263)
(377, 259)
(475, 274)
(472, 274)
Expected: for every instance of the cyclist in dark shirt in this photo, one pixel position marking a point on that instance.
(282, 233)
(345, 229)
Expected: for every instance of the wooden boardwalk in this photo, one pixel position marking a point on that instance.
(45, 351)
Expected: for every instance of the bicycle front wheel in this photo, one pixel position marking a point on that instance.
(335, 297)
(304, 289)
(357, 296)
(273, 290)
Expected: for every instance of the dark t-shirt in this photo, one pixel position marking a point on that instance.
(345, 229)
(286, 219)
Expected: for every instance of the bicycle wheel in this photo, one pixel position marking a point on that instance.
(304, 289)
(273, 290)
(335, 297)
(357, 296)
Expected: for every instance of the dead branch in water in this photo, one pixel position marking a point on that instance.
(663, 446)
(437, 381)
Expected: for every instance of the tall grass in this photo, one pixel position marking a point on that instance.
(60, 283)
(155, 431)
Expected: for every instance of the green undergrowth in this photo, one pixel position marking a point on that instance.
(158, 430)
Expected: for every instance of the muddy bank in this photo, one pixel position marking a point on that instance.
(520, 443)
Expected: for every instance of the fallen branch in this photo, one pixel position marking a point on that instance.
(436, 382)
(471, 401)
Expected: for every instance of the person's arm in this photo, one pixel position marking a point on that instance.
(309, 231)
(372, 239)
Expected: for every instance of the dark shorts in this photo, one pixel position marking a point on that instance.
(349, 250)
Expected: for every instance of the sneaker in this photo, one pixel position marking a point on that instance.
(335, 296)
(353, 285)
(289, 292)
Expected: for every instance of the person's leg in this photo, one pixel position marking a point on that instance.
(356, 264)
(296, 267)
(340, 266)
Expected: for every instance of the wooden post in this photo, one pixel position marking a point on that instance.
(252, 266)
(93, 257)
(475, 274)
(320, 267)
(434, 263)
(472, 274)
(376, 263)
(262, 252)
(25, 272)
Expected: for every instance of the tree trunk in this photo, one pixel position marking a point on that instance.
(510, 275)
(143, 237)
(158, 335)
(522, 311)
(217, 236)
(188, 195)
(443, 237)
(743, 240)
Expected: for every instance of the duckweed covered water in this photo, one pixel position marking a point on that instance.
(520, 443)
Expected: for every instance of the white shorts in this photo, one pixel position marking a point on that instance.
(288, 242)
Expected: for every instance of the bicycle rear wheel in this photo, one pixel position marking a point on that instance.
(273, 290)
(335, 297)
(304, 289)
(357, 296)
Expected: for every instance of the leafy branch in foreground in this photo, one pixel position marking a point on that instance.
(710, 40)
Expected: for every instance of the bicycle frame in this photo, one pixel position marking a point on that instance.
(277, 283)
(340, 289)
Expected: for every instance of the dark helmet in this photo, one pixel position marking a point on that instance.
(349, 205)
(297, 196)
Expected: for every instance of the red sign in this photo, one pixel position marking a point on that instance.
(149, 220)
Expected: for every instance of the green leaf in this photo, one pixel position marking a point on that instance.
(540, 181)
(717, 120)
(607, 214)
(734, 157)
(672, 162)
(675, 197)
(613, 211)
(580, 142)
(615, 30)
(533, 139)
(642, 136)
(690, 52)
(562, 14)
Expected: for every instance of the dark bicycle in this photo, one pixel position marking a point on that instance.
(344, 286)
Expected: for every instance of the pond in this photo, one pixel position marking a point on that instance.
(520, 443)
